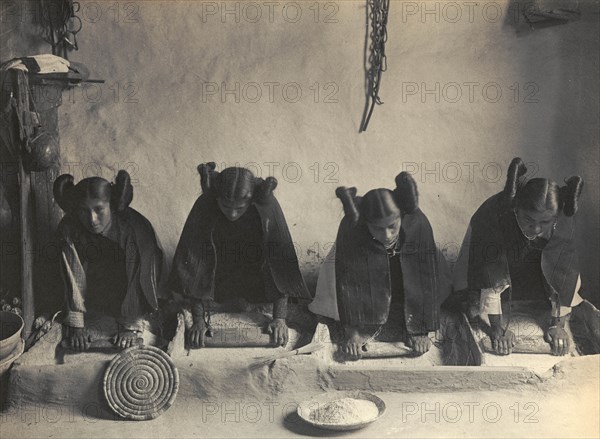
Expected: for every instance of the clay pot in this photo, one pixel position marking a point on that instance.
(11, 326)
(44, 153)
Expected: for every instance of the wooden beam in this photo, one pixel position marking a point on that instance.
(27, 248)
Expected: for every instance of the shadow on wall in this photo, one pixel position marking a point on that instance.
(576, 134)
(564, 54)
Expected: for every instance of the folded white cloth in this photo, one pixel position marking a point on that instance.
(40, 64)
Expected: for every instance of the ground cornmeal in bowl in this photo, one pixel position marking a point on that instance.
(341, 410)
(345, 411)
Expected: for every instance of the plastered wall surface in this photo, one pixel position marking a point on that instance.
(466, 89)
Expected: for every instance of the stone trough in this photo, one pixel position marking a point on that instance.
(40, 376)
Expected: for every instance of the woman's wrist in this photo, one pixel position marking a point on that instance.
(197, 311)
(351, 330)
(495, 320)
(559, 322)
(280, 308)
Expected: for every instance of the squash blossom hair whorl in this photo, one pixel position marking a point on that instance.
(68, 195)
(541, 194)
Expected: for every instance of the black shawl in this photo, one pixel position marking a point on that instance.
(362, 273)
(195, 261)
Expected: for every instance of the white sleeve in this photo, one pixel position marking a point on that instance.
(74, 281)
(490, 302)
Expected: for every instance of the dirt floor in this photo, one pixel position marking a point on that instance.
(566, 405)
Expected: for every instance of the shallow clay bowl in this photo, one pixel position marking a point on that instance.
(305, 408)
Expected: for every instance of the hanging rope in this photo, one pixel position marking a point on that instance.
(60, 25)
(377, 12)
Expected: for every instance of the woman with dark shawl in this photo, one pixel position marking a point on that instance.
(384, 255)
(236, 249)
(111, 260)
(520, 242)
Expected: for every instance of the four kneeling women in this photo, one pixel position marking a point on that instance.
(236, 247)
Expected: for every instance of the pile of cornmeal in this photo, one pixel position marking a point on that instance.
(344, 411)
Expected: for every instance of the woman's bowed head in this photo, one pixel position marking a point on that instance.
(234, 188)
(538, 202)
(98, 214)
(378, 210)
(381, 209)
(93, 200)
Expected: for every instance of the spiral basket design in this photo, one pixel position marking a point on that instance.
(141, 383)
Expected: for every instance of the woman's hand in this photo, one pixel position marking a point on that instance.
(353, 343)
(279, 329)
(78, 339)
(503, 340)
(196, 334)
(126, 338)
(558, 337)
(419, 343)
(559, 340)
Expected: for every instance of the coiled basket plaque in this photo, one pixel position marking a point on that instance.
(141, 383)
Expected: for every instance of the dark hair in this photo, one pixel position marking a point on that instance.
(349, 201)
(121, 191)
(514, 179)
(406, 192)
(263, 189)
(207, 176)
(374, 205)
(541, 194)
(68, 195)
(570, 195)
(377, 204)
(62, 190)
(235, 183)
